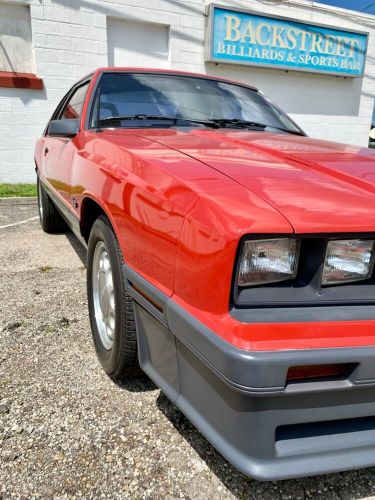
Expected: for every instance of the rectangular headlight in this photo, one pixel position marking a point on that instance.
(347, 261)
(268, 261)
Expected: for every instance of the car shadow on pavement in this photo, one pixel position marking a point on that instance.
(317, 487)
(141, 384)
(77, 246)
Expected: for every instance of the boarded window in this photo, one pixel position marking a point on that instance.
(16, 52)
(137, 44)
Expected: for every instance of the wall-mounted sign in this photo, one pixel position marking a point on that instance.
(240, 37)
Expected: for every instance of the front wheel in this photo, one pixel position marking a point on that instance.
(110, 305)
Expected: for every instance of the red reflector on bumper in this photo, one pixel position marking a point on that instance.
(316, 371)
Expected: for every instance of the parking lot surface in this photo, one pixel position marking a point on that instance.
(66, 430)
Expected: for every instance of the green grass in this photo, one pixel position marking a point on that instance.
(9, 190)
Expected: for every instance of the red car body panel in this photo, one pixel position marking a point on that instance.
(180, 202)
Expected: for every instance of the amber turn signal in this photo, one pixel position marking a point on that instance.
(308, 372)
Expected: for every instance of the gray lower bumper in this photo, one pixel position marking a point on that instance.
(239, 401)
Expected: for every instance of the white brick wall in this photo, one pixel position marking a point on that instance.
(70, 40)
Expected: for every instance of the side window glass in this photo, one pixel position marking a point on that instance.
(73, 108)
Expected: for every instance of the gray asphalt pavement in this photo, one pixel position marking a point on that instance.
(66, 430)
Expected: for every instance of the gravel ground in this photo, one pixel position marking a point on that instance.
(66, 430)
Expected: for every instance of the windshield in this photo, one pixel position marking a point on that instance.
(144, 100)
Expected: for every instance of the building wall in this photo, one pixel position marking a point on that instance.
(70, 38)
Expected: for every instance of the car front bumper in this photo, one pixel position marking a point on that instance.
(240, 401)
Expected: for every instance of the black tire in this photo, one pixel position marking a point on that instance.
(120, 361)
(50, 219)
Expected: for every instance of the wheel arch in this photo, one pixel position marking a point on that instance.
(90, 210)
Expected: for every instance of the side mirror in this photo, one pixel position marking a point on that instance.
(63, 128)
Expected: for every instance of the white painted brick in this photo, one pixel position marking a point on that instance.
(182, 7)
(27, 131)
(190, 58)
(46, 55)
(22, 154)
(190, 35)
(100, 21)
(30, 106)
(99, 34)
(58, 42)
(13, 143)
(149, 4)
(54, 95)
(61, 56)
(199, 68)
(84, 45)
(39, 40)
(101, 47)
(76, 58)
(152, 16)
(46, 27)
(55, 83)
(57, 69)
(46, 107)
(193, 22)
(37, 12)
(5, 105)
(57, 14)
(81, 71)
(83, 32)
(72, 30)
(84, 18)
(175, 56)
(96, 60)
(196, 46)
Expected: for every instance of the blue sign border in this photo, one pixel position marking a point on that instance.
(286, 66)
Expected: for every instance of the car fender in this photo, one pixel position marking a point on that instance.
(86, 195)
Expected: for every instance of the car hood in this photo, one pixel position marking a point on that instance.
(319, 186)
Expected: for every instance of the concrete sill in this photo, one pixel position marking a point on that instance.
(11, 79)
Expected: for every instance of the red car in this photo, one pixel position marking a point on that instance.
(230, 257)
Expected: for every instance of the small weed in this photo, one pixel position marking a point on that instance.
(45, 269)
(57, 325)
(14, 326)
(64, 322)
(49, 328)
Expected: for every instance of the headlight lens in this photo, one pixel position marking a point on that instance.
(268, 261)
(348, 260)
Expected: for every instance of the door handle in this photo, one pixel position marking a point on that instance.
(46, 152)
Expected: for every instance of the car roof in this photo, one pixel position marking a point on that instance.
(124, 69)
